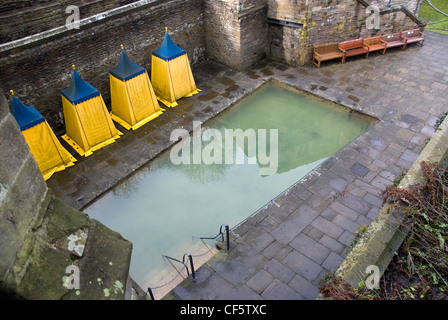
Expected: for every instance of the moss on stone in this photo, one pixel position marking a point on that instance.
(61, 220)
(41, 263)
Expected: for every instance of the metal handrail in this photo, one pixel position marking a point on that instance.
(193, 275)
(221, 233)
(190, 257)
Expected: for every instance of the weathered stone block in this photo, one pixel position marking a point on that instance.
(14, 149)
(18, 208)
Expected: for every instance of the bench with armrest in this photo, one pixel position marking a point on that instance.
(375, 44)
(414, 36)
(353, 47)
(394, 40)
(324, 52)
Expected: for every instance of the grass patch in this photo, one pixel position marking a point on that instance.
(436, 22)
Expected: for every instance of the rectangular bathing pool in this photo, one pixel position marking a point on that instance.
(165, 206)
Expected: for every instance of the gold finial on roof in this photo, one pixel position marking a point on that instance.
(166, 28)
(73, 66)
(12, 92)
(122, 47)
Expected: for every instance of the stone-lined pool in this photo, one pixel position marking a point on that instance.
(165, 207)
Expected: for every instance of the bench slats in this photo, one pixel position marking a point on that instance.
(324, 52)
(349, 48)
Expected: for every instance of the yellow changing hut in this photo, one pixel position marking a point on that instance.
(171, 75)
(88, 124)
(48, 152)
(133, 100)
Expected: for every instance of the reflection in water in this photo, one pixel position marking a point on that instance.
(164, 207)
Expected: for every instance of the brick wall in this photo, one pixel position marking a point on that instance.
(39, 71)
(22, 18)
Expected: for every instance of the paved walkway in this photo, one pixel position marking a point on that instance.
(285, 250)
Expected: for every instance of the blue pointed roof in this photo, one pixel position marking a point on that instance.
(79, 90)
(168, 50)
(26, 116)
(126, 68)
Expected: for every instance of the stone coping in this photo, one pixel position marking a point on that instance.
(83, 23)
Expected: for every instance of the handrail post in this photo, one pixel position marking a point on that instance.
(228, 239)
(220, 234)
(193, 275)
(226, 227)
(150, 293)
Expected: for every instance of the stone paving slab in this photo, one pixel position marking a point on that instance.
(289, 246)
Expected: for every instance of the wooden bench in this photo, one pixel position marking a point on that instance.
(394, 40)
(414, 36)
(324, 52)
(376, 44)
(353, 47)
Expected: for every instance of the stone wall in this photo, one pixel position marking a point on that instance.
(35, 229)
(331, 21)
(342, 20)
(253, 35)
(236, 31)
(284, 43)
(221, 32)
(336, 20)
(38, 71)
(289, 10)
(411, 5)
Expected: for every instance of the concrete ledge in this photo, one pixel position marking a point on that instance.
(386, 234)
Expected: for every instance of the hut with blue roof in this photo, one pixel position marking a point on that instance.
(88, 124)
(171, 75)
(133, 101)
(48, 152)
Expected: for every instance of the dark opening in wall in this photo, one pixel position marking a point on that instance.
(285, 23)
